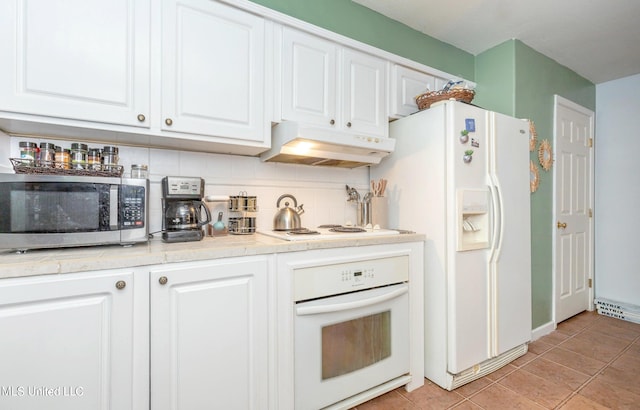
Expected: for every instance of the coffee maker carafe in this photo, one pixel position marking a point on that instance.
(183, 211)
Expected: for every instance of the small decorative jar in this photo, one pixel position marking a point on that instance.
(47, 155)
(94, 159)
(78, 156)
(110, 159)
(139, 171)
(63, 158)
(28, 153)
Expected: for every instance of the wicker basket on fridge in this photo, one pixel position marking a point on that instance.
(425, 100)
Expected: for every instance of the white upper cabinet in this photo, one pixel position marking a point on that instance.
(213, 70)
(78, 59)
(364, 96)
(309, 78)
(406, 85)
(326, 84)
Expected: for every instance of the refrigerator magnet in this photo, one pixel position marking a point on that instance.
(468, 156)
(464, 136)
(470, 124)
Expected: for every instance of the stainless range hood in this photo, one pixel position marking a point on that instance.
(296, 143)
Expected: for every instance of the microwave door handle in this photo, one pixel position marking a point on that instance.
(339, 307)
(113, 207)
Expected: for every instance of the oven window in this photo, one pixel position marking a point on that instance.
(355, 344)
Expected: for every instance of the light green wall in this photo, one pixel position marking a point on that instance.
(520, 81)
(360, 23)
(496, 79)
(511, 78)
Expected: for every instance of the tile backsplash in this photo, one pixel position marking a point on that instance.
(320, 189)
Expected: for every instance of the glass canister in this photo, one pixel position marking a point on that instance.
(63, 158)
(28, 153)
(139, 171)
(46, 155)
(94, 159)
(78, 156)
(110, 158)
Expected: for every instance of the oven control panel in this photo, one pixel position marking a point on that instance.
(333, 279)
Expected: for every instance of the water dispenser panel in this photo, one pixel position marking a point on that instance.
(472, 219)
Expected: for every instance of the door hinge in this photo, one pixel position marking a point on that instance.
(590, 283)
(590, 142)
(590, 213)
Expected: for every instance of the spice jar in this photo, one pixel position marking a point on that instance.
(46, 155)
(28, 153)
(63, 158)
(78, 156)
(94, 159)
(110, 159)
(139, 171)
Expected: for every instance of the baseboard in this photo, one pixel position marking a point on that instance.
(543, 330)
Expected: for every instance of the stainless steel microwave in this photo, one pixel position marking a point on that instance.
(51, 211)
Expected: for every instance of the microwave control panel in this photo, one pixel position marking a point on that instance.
(132, 207)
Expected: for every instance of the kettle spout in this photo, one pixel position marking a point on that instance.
(299, 209)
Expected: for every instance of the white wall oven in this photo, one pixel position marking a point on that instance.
(351, 327)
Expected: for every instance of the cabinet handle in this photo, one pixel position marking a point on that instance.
(163, 280)
(168, 121)
(121, 284)
(349, 125)
(141, 117)
(332, 122)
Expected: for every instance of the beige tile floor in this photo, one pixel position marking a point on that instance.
(589, 362)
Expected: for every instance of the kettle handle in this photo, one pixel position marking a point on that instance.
(202, 205)
(295, 203)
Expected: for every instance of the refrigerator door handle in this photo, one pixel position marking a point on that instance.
(496, 237)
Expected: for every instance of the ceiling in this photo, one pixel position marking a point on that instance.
(598, 39)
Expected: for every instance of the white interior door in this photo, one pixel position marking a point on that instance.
(573, 223)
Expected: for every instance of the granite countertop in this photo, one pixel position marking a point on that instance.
(155, 252)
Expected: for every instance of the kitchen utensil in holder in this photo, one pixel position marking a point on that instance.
(378, 212)
(364, 213)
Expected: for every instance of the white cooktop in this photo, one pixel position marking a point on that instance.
(327, 234)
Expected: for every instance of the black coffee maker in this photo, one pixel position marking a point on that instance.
(183, 211)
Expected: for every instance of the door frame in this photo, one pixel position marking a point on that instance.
(557, 101)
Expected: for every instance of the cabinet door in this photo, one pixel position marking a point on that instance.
(77, 59)
(209, 335)
(406, 85)
(364, 93)
(213, 70)
(308, 78)
(67, 342)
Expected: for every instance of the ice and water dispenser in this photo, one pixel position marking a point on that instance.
(472, 219)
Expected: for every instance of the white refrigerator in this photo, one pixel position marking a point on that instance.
(460, 175)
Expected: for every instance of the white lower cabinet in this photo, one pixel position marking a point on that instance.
(187, 336)
(67, 342)
(209, 335)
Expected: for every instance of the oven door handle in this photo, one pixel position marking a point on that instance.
(338, 307)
